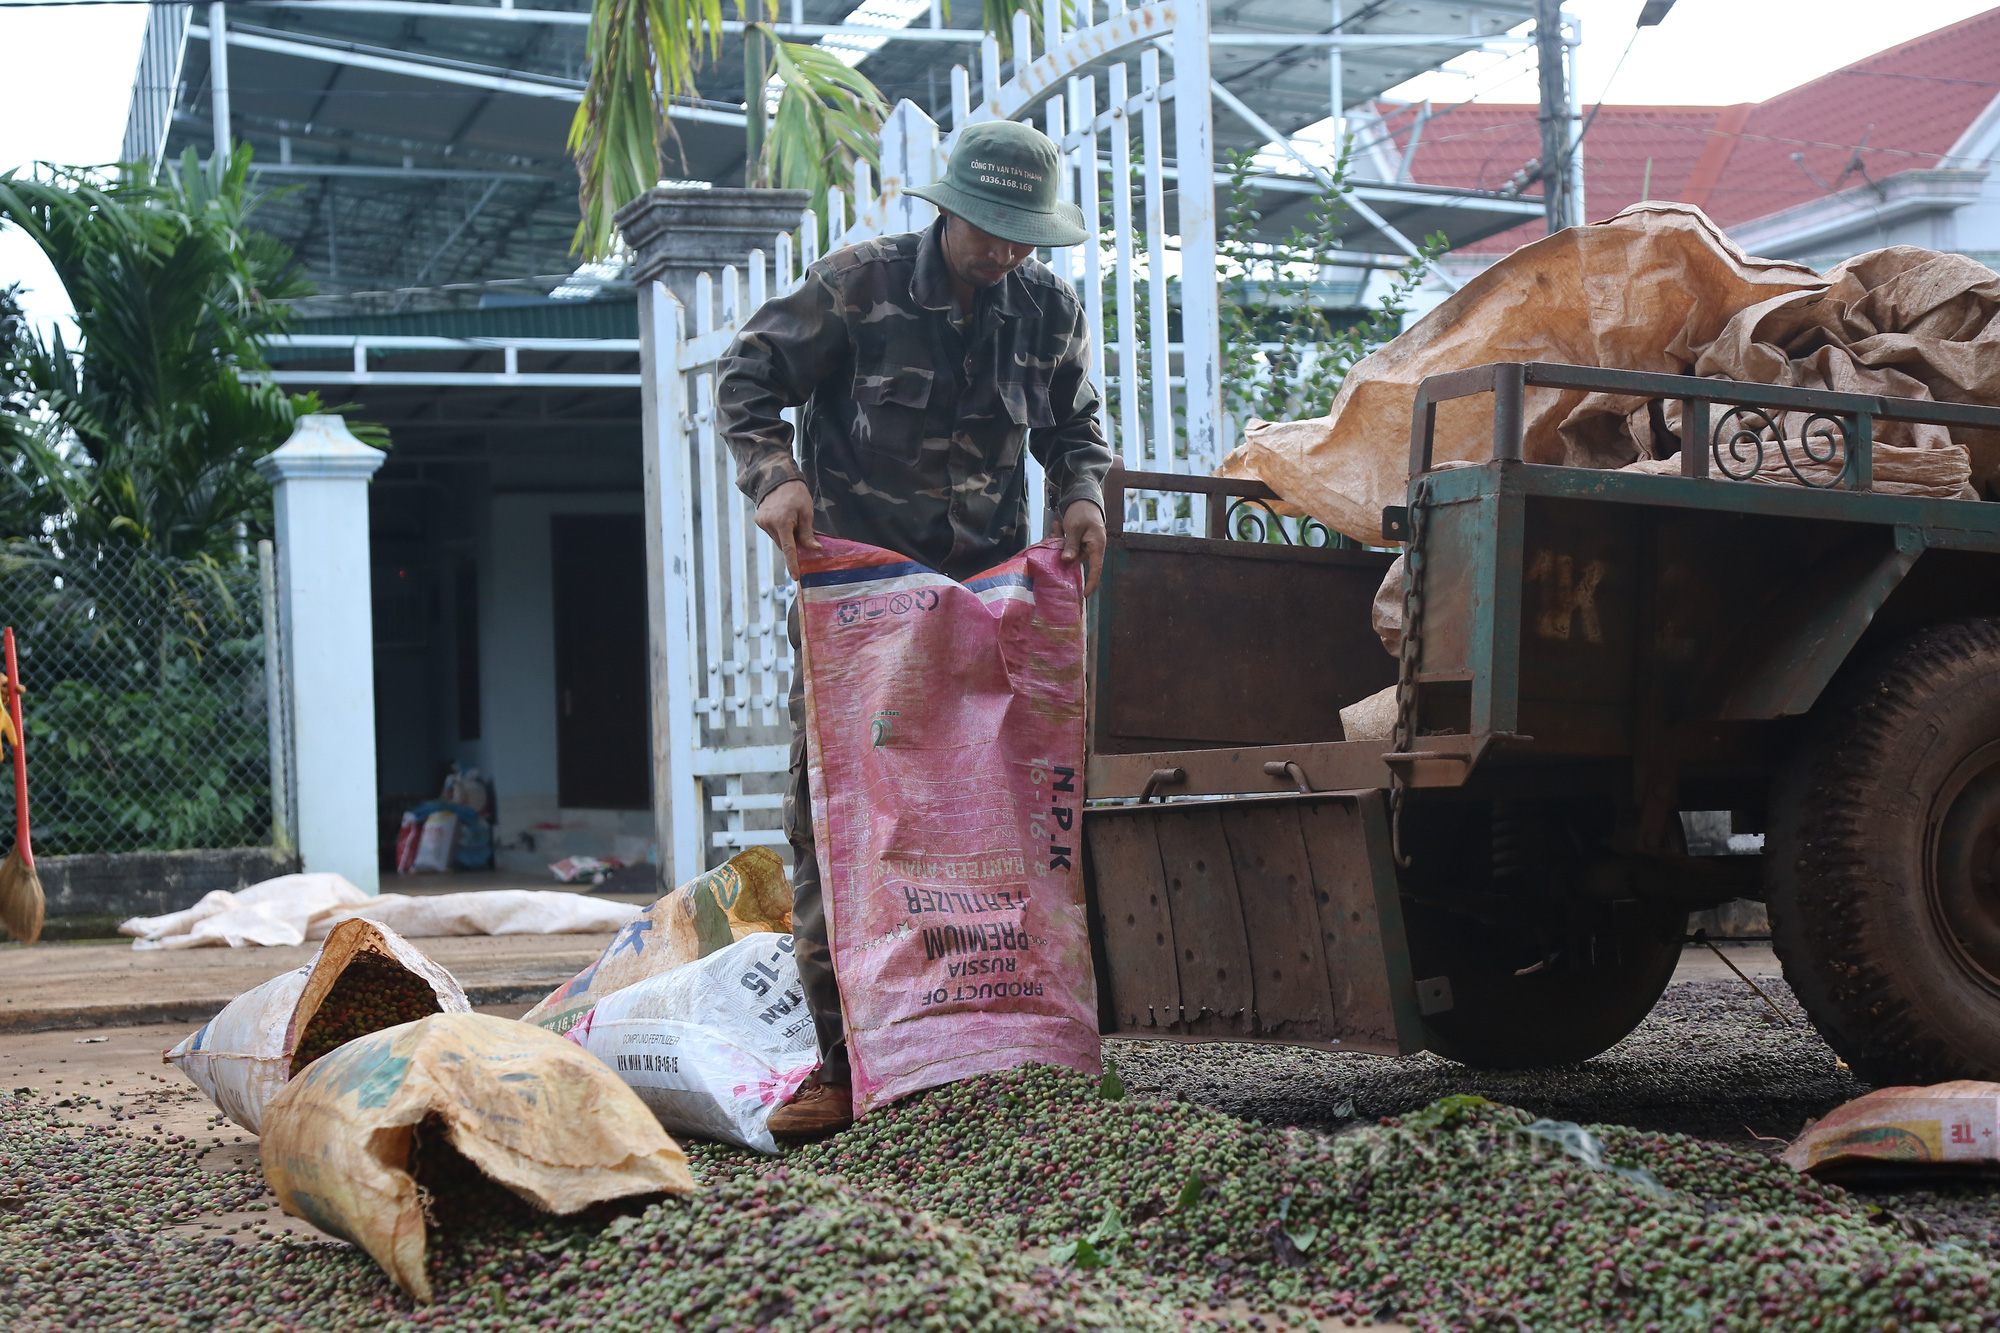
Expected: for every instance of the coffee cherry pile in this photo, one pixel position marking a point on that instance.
(372, 993)
(1028, 1201)
(759, 1249)
(60, 1180)
(1452, 1217)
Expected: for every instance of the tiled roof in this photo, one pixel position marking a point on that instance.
(1901, 108)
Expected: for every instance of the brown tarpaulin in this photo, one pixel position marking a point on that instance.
(1657, 288)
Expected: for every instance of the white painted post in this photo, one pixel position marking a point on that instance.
(1573, 138)
(961, 97)
(277, 708)
(989, 79)
(1059, 256)
(865, 201)
(1201, 317)
(1159, 381)
(320, 482)
(669, 573)
(909, 157)
(218, 76)
(711, 494)
(1024, 47)
(1337, 85)
(1130, 423)
(1083, 103)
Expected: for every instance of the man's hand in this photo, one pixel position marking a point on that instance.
(1083, 531)
(786, 515)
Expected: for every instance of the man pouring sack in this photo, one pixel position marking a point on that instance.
(929, 364)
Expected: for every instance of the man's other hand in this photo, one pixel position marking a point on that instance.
(786, 515)
(1083, 531)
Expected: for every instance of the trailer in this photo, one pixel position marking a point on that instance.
(1586, 655)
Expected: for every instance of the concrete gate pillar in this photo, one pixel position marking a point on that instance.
(677, 235)
(320, 478)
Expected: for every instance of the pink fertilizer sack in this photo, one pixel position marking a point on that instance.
(946, 739)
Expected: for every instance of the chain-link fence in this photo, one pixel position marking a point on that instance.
(145, 705)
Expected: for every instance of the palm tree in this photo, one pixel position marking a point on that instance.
(146, 432)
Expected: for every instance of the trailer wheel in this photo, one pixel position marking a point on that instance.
(1603, 984)
(1883, 861)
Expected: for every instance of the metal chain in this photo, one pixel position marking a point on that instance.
(1408, 661)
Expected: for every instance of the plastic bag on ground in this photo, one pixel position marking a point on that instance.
(946, 735)
(1657, 288)
(245, 1054)
(746, 895)
(714, 1046)
(488, 912)
(525, 1108)
(272, 912)
(1897, 1130)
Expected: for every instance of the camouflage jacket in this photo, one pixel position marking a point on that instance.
(913, 430)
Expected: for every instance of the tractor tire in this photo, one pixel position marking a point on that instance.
(1555, 1016)
(1882, 862)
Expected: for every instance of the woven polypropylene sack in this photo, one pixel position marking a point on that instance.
(528, 1109)
(242, 1057)
(946, 741)
(746, 895)
(714, 1046)
(1900, 1130)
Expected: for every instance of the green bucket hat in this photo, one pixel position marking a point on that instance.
(1002, 179)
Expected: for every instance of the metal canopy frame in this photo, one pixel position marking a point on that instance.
(388, 122)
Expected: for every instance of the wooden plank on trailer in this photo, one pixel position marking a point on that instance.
(1355, 940)
(1132, 901)
(1217, 990)
(1274, 883)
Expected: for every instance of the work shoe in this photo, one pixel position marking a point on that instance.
(815, 1111)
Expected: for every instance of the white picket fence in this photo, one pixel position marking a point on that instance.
(717, 589)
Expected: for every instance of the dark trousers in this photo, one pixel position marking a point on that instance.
(810, 949)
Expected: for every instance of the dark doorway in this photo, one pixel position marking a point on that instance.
(603, 740)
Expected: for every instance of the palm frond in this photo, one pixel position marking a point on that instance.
(997, 17)
(829, 115)
(642, 54)
(144, 433)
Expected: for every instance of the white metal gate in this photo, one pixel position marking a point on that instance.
(717, 589)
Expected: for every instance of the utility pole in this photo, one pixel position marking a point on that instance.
(1555, 114)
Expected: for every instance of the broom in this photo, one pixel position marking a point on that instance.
(21, 901)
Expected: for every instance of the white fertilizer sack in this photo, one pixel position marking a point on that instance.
(714, 1046)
